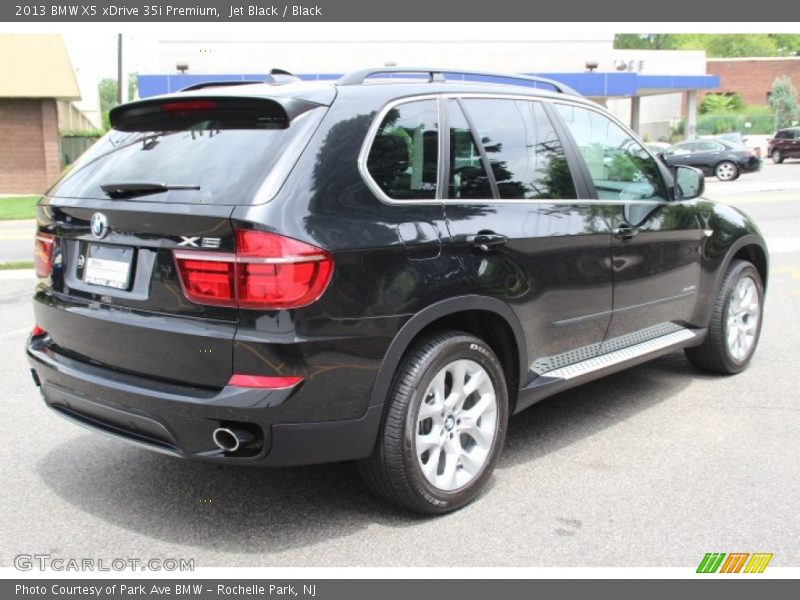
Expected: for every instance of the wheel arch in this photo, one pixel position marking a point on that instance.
(462, 312)
(749, 247)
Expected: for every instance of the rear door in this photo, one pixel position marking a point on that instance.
(793, 143)
(685, 154)
(522, 233)
(163, 182)
(708, 153)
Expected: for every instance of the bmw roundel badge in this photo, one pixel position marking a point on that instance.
(99, 225)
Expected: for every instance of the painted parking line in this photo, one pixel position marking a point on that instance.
(14, 332)
(22, 235)
(16, 275)
(783, 245)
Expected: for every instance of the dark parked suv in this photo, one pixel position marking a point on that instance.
(785, 144)
(380, 269)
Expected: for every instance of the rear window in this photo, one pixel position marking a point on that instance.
(219, 150)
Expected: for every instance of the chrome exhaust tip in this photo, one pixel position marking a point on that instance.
(227, 439)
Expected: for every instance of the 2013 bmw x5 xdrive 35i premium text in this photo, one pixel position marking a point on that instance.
(377, 269)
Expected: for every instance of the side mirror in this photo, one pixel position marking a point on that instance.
(689, 182)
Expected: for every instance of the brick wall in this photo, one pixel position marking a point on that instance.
(753, 78)
(29, 152)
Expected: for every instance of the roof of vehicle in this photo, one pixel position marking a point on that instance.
(394, 83)
(725, 142)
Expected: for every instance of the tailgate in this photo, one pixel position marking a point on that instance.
(115, 299)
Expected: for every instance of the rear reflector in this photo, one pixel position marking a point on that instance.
(43, 254)
(37, 331)
(258, 381)
(268, 271)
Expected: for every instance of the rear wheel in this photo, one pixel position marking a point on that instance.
(777, 157)
(444, 427)
(726, 171)
(735, 323)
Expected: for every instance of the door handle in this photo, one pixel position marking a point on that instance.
(625, 232)
(487, 241)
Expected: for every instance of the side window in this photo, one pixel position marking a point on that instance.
(468, 178)
(682, 149)
(404, 155)
(709, 147)
(525, 155)
(620, 167)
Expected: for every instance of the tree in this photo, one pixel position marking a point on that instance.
(721, 103)
(783, 100)
(788, 44)
(107, 89)
(133, 85)
(715, 45)
(645, 41)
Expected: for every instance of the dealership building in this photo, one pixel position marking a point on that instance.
(648, 89)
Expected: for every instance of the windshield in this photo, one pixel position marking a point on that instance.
(212, 159)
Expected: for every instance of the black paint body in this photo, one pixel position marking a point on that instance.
(149, 365)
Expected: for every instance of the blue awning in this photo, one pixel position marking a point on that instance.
(594, 84)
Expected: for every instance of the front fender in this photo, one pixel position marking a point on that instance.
(733, 231)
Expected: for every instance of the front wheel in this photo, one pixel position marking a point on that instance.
(735, 324)
(726, 171)
(444, 427)
(777, 157)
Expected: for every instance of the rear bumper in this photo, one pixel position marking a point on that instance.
(751, 165)
(180, 420)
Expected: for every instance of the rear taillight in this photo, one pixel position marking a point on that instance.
(207, 277)
(43, 254)
(37, 331)
(268, 271)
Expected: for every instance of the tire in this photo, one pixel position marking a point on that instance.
(718, 354)
(726, 171)
(394, 471)
(777, 158)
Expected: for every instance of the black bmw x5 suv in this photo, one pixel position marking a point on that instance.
(381, 269)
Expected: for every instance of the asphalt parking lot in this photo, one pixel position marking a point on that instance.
(654, 466)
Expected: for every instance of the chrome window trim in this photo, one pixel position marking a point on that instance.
(373, 132)
(440, 98)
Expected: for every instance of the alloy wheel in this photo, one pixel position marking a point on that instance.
(456, 425)
(742, 319)
(726, 171)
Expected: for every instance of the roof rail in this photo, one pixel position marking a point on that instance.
(358, 77)
(275, 77)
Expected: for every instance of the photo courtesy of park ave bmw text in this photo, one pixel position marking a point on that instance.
(356, 298)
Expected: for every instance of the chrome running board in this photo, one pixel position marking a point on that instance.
(620, 356)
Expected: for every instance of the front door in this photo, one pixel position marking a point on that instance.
(656, 242)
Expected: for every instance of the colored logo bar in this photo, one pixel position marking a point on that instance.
(734, 562)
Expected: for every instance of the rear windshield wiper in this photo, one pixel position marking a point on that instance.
(141, 188)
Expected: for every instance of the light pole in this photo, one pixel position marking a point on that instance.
(119, 68)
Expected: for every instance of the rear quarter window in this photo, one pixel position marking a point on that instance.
(403, 158)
